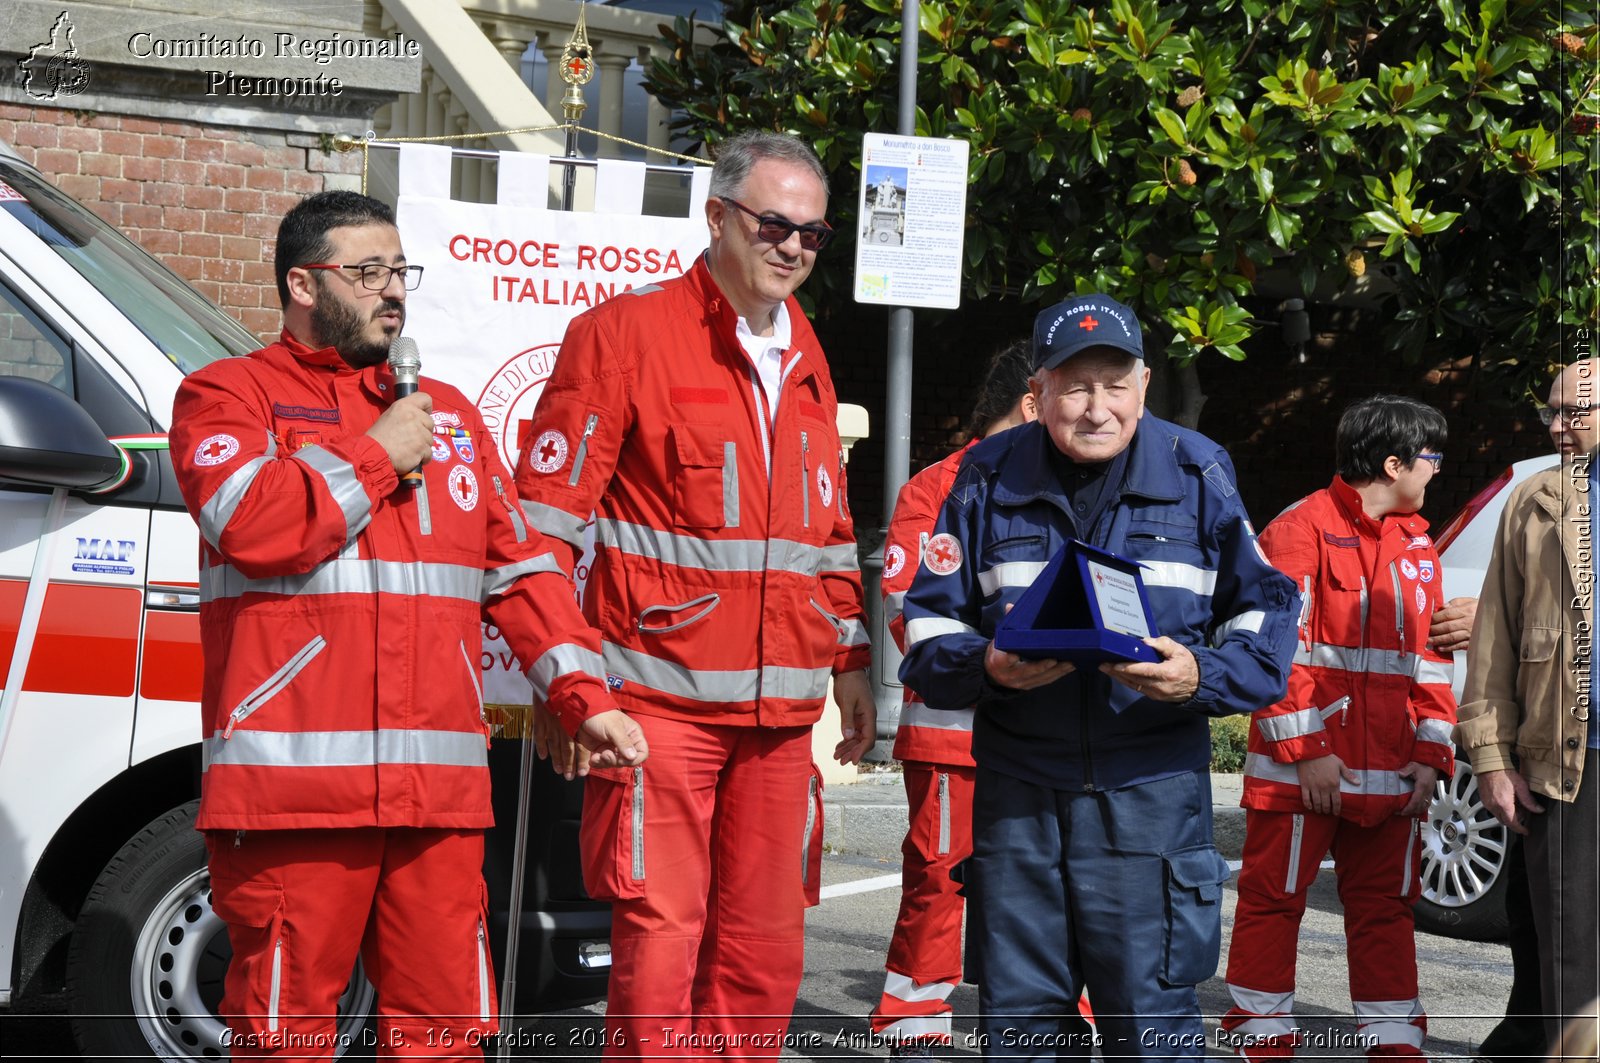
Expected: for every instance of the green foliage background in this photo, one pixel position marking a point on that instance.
(1180, 155)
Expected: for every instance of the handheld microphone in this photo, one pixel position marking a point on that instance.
(406, 364)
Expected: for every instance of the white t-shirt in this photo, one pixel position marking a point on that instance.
(766, 354)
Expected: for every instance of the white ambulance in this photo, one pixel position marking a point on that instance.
(104, 896)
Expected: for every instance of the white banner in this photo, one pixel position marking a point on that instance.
(501, 282)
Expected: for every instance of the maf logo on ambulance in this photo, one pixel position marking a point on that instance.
(108, 557)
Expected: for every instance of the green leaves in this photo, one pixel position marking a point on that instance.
(1166, 152)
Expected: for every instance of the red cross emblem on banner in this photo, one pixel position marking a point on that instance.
(1088, 324)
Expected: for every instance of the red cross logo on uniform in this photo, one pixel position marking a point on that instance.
(214, 450)
(549, 452)
(1088, 324)
(943, 555)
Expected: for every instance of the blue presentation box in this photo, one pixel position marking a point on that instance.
(1087, 606)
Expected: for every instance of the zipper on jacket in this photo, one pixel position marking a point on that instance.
(1366, 609)
(811, 825)
(483, 974)
(839, 488)
(638, 824)
(1305, 617)
(944, 812)
(763, 417)
(1399, 611)
(1341, 708)
(472, 677)
(277, 985)
(515, 514)
(274, 684)
(583, 449)
(805, 479)
(424, 511)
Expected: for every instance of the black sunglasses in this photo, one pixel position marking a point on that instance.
(775, 229)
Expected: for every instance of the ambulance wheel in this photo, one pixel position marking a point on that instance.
(145, 968)
(1464, 874)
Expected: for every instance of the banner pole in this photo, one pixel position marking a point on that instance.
(577, 67)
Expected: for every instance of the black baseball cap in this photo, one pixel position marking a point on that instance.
(1082, 322)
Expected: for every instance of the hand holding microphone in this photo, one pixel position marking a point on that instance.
(405, 429)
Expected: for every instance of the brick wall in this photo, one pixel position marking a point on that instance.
(204, 199)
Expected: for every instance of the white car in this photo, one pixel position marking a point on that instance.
(104, 894)
(1464, 847)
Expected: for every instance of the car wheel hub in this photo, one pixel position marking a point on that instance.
(178, 966)
(1465, 852)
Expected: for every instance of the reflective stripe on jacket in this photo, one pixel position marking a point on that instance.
(1365, 684)
(1177, 511)
(725, 586)
(341, 614)
(935, 736)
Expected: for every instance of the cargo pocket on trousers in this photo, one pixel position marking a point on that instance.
(1194, 915)
(811, 846)
(488, 1002)
(611, 834)
(254, 914)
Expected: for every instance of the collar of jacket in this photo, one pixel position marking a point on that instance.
(724, 319)
(1151, 473)
(1348, 500)
(377, 380)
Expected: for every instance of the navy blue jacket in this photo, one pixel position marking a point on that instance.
(1210, 588)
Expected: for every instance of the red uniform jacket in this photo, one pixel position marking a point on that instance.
(932, 735)
(341, 614)
(725, 585)
(1364, 685)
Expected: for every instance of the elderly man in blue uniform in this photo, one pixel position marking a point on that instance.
(1093, 865)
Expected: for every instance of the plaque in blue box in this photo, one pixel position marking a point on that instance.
(1087, 606)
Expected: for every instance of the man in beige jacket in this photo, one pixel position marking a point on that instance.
(1526, 720)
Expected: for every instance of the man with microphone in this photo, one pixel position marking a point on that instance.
(356, 529)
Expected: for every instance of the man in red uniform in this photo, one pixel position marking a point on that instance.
(695, 419)
(935, 747)
(346, 788)
(1348, 759)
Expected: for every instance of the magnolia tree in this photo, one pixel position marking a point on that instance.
(1185, 156)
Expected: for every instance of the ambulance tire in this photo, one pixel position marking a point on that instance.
(145, 967)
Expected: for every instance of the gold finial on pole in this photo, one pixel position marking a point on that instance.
(577, 67)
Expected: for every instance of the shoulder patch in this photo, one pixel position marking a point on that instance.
(968, 483)
(894, 561)
(214, 450)
(942, 554)
(1219, 479)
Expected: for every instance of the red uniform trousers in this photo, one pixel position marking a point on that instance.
(300, 904)
(709, 852)
(1377, 869)
(924, 962)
